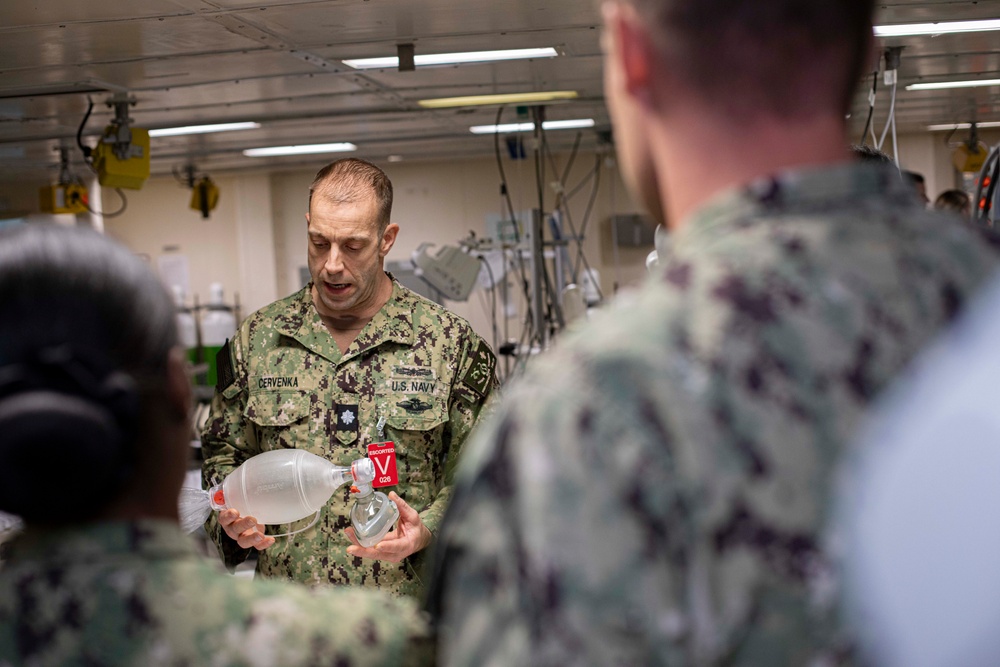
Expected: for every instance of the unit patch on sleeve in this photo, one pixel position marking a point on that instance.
(224, 365)
(479, 376)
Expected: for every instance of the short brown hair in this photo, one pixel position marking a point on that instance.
(352, 179)
(791, 58)
(954, 200)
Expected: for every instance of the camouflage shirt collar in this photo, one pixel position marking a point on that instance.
(801, 190)
(148, 538)
(394, 322)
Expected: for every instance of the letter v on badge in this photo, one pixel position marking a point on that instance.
(383, 455)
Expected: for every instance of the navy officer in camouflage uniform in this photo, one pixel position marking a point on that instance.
(655, 491)
(352, 359)
(95, 406)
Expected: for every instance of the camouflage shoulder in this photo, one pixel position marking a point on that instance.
(280, 307)
(230, 358)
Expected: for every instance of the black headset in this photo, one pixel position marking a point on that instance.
(68, 424)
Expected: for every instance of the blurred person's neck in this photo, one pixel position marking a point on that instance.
(154, 484)
(700, 154)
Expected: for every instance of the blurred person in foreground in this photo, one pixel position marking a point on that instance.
(918, 506)
(655, 490)
(95, 407)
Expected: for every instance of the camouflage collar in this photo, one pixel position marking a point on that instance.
(801, 190)
(149, 538)
(394, 322)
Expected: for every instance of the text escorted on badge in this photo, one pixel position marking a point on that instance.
(383, 455)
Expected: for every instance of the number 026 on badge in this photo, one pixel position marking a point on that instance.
(383, 455)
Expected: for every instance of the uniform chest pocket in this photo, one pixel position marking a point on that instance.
(283, 419)
(413, 411)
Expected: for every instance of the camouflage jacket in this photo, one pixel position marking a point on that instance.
(286, 384)
(138, 593)
(656, 487)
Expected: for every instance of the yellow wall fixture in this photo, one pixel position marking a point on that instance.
(204, 196)
(114, 171)
(63, 198)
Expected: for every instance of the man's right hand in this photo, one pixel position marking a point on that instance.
(244, 530)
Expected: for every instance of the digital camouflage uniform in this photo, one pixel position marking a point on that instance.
(139, 594)
(654, 491)
(286, 385)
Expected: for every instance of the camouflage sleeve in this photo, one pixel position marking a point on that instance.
(227, 439)
(474, 389)
(335, 626)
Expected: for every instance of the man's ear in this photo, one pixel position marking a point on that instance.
(388, 239)
(630, 49)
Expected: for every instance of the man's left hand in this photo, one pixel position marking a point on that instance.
(408, 537)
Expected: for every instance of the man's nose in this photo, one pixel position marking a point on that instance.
(334, 260)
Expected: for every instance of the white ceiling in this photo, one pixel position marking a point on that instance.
(279, 62)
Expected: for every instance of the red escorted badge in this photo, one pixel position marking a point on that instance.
(383, 455)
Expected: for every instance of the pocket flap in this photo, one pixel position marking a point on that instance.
(416, 413)
(277, 408)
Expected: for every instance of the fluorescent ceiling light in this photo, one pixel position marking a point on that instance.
(940, 85)
(567, 124)
(528, 127)
(502, 129)
(453, 58)
(944, 28)
(960, 126)
(304, 149)
(505, 98)
(202, 129)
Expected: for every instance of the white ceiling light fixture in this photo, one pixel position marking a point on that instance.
(568, 124)
(942, 85)
(960, 126)
(578, 123)
(304, 149)
(501, 98)
(942, 28)
(202, 129)
(426, 60)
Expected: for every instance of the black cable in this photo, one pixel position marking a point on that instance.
(589, 210)
(572, 159)
(553, 309)
(586, 179)
(505, 190)
(578, 238)
(86, 150)
(991, 190)
(871, 108)
(560, 204)
(116, 213)
(493, 291)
